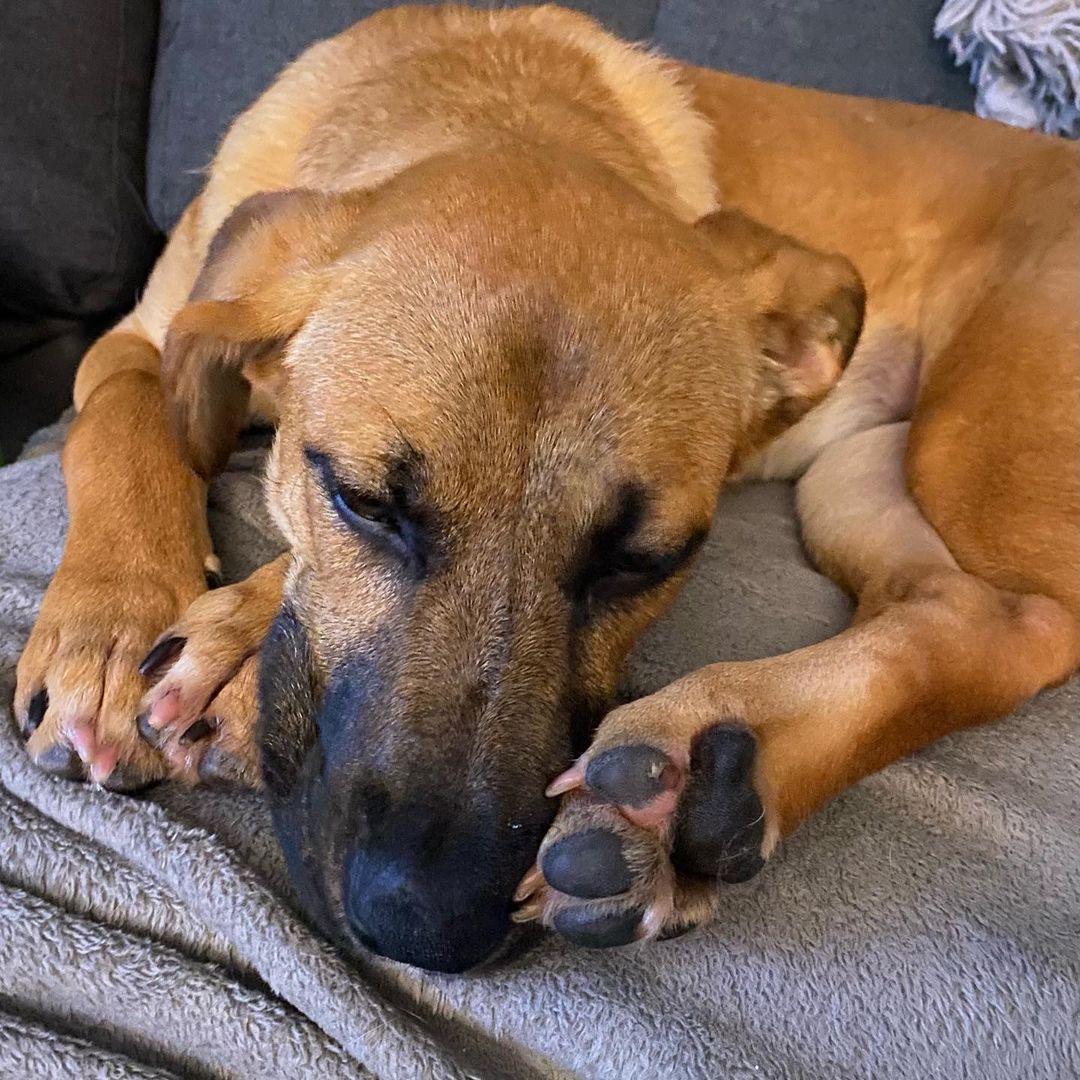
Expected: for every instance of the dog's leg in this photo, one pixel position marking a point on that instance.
(136, 553)
(695, 784)
(201, 714)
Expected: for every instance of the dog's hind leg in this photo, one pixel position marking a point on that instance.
(959, 533)
(136, 553)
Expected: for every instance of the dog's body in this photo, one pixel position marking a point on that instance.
(491, 286)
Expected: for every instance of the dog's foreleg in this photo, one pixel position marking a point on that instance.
(695, 784)
(135, 556)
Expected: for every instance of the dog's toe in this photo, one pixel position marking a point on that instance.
(60, 760)
(720, 821)
(588, 865)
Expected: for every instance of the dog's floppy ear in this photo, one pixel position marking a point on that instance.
(810, 307)
(262, 277)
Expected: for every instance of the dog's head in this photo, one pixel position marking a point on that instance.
(509, 394)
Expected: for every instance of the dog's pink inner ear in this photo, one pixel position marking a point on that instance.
(812, 337)
(810, 302)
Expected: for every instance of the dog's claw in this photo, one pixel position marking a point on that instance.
(530, 911)
(165, 650)
(574, 777)
(529, 884)
(35, 712)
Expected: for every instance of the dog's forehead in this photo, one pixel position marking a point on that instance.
(502, 368)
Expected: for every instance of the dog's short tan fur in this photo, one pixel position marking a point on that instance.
(938, 481)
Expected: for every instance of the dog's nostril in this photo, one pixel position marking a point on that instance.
(438, 916)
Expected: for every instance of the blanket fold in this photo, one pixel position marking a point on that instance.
(1024, 57)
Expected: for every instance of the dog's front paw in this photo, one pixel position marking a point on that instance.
(659, 813)
(201, 714)
(78, 684)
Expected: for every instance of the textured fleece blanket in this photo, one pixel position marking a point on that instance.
(927, 924)
(1024, 57)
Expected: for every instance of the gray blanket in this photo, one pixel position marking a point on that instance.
(927, 924)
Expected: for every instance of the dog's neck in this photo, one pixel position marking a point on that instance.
(580, 90)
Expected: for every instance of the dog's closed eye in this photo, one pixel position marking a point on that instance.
(360, 510)
(382, 520)
(633, 572)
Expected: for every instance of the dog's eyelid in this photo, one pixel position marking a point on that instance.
(331, 480)
(635, 570)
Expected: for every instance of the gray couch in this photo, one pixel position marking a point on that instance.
(925, 925)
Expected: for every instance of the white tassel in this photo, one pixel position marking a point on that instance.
(1024, 57)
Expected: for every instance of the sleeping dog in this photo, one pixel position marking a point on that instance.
(520, 298)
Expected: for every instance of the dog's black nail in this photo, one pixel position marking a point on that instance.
(199, 730)
(149, 733)
(674, 932)
(588, 864)
(35, 712)
(126, 779)
(630, 775)
(582, 927)
(740, 868)
(164, 651)
(720, 823)
(62, 761)
(214, 580)
(219, 768)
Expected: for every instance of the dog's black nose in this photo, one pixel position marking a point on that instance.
(434, 913)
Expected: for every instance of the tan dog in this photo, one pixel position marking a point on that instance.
(499, 279)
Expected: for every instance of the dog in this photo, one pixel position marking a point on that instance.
(520, 298)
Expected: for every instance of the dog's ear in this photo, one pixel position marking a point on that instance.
(263, 274)
(809, 305)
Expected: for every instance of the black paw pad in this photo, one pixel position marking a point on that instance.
(588, 864)
(631, 775)
(35, 712)
(720, 822)
(162, 653)
(60, 760)
(582, 927)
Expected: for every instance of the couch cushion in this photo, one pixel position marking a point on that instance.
(883, 49)
(214, 60)
(75, 238)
